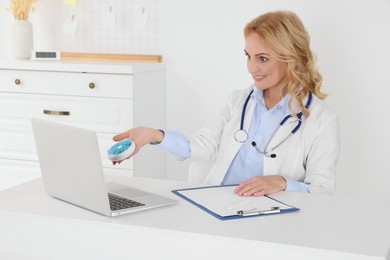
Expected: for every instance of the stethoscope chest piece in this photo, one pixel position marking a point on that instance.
(121, 150)
(241, 136)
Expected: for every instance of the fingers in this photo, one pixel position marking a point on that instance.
(119, 162)
(249, 188)
(131, 155)
(120, 137)
(261, 185)
(127, 135)
(140, 137)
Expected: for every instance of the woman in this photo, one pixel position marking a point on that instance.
(277, 134)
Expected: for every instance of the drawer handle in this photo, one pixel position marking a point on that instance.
(56, 113)
(17, 81)
(91, 85)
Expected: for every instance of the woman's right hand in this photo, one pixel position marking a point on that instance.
(140, 136)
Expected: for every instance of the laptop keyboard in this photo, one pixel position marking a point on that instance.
(118, 203)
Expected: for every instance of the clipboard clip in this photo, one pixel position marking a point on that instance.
(254, 212)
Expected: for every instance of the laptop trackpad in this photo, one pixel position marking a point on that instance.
(125, 191)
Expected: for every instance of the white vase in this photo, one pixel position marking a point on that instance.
(21, 36)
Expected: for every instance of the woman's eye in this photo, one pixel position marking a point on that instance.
(263, 59)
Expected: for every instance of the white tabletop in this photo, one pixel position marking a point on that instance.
(35, 226)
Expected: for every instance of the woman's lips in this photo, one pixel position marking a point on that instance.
(258, 77)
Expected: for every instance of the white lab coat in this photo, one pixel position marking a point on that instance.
(310, 155)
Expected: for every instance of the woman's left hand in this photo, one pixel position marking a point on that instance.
(261, 185)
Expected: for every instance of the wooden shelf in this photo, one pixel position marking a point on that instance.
(111, 57)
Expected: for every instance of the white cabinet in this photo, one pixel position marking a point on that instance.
(106, 97)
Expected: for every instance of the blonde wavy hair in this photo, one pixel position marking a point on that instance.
(288, 40)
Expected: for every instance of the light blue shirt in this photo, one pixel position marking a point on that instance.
(248, 162)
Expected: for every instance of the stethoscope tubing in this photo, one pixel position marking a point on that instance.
(242, 133)
(244, 110)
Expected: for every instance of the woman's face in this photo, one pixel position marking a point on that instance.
(266, 70)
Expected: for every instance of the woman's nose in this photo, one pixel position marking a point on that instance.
(252, 66)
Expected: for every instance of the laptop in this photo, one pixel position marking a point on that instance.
(72, 171)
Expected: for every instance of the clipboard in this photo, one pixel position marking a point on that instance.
(222, 203)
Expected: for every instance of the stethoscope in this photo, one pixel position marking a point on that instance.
(241, 135)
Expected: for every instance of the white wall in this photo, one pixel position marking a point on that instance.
(104, 26)
(202, 44)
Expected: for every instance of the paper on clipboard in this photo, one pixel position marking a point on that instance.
(221, 201)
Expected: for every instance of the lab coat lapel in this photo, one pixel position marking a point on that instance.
(285, 130)
(282, 132)
(232, 149)
(235, 146)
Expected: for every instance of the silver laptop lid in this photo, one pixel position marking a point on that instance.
(71, 165)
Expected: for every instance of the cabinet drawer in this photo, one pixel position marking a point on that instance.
(122, 95)
(100, 115)
(67, 83)
(17, 144)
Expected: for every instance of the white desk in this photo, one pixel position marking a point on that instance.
(35, 226)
